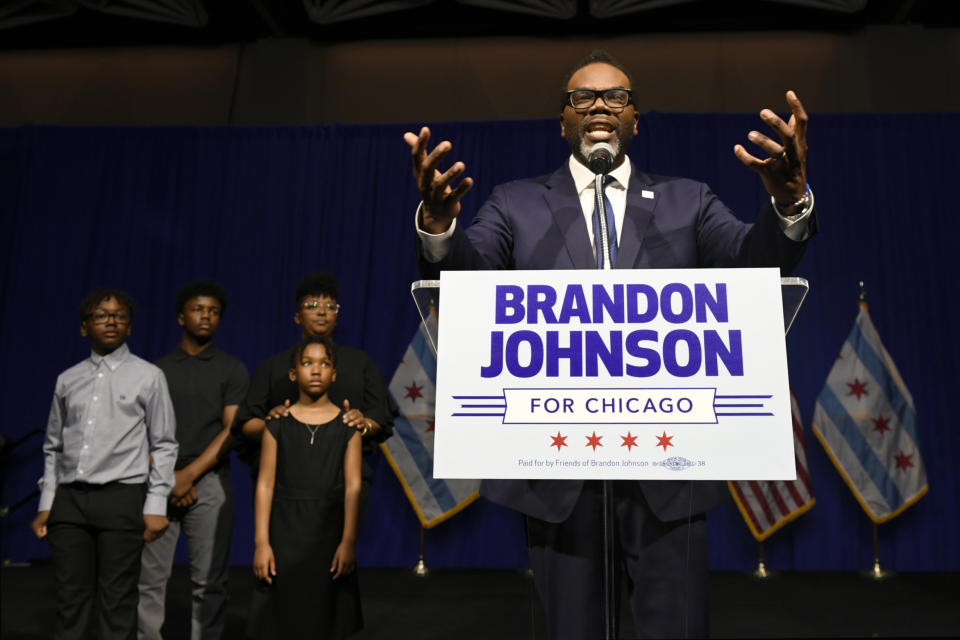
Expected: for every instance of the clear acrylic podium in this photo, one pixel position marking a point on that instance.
(426, 295)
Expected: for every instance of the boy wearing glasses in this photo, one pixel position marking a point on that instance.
(109, 455)
(206, 385)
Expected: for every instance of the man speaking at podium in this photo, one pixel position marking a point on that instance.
(657, 222)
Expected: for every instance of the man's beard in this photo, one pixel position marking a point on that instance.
(587, 147)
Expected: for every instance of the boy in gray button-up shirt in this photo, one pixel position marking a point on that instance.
(109, 455)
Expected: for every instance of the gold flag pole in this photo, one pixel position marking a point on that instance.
(420, 569)
(761, 571)
(877, 572)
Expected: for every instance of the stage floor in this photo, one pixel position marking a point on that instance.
(482, 604)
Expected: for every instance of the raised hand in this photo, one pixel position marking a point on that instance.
(784, 173)
(441, 201)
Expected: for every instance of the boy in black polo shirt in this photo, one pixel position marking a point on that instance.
(206, 385)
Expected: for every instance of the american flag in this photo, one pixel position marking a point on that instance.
(410, 451)
(866, 420)
(767, 505)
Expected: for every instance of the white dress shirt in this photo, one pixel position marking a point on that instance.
(110, 414)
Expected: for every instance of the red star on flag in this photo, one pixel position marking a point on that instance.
(594, 441)
(664, 441)
(904, 461)
(629, 441)
(558, 441)
(857, 388)
(413, 391)
(880, 424)
(430, 425)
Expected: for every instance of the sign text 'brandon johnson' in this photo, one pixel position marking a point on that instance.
(636, 352)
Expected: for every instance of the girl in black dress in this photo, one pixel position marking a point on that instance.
(306, 508)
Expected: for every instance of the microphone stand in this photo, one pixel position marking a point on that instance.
(609, 551)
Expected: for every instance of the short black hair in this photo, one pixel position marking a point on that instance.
(597, 56)
(95, 297)
(201, 288)
(301, 346)
(317, 283)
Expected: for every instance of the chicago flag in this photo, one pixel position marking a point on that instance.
(866, 420)
(767, 505)
(410, 451)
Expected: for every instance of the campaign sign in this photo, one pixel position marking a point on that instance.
(643, 374)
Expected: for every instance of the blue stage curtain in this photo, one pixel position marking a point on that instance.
(147, 209)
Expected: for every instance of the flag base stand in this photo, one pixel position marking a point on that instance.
(420, 569)
(761, 572)
(878, 573)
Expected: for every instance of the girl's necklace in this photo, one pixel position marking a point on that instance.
(313, 431)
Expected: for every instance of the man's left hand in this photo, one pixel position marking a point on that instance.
(784, 173)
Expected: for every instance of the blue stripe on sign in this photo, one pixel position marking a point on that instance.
(420, 456)
(425, 355)
(875, 365)
(861, 448)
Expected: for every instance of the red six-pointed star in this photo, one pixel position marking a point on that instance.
(904, 461)
(629, 441)
(857, 388)
(880, 424)
(431, 425)
(664, 441)
(594, 441)
(413, 391)
(558, 441)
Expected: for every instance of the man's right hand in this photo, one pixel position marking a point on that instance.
(441, 202)
(39, 524)
(279, 411)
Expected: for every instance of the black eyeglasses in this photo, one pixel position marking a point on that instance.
(101, 317)
(616, 98)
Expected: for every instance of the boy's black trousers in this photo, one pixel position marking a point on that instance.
(96, 536)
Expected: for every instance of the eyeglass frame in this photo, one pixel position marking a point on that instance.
(598, 93)
(120, 317)
(313, 305)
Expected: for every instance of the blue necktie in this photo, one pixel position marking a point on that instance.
(611, 228)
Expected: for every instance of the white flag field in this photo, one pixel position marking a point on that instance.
(866, 420)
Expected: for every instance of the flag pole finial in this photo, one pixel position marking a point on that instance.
(862, 296)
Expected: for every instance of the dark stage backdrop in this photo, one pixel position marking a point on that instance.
(147, 209)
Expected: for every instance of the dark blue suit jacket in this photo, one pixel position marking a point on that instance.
(538, 223)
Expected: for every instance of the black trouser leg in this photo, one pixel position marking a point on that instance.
(74, 550)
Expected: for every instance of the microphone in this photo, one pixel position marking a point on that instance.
(601, 158)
